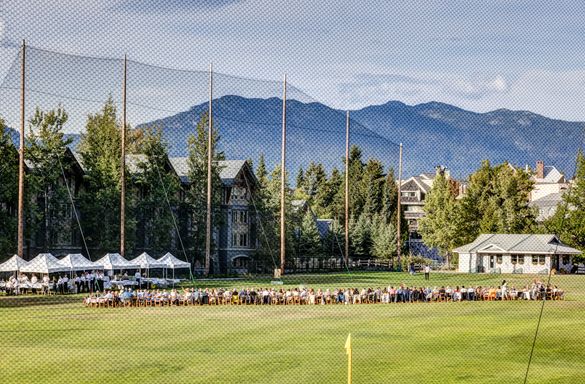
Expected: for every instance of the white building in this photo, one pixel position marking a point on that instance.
(515, 253)
(547, 180)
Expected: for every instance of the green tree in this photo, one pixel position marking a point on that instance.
(360, 236)
(309, 238)
(569, 219)
(100, 148)
(159, 190)
(438, 227)
(50, 215)
(197, 193)
(496, 201)
(372, 187)
(384, 238)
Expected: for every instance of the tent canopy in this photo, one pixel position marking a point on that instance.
(113, 261)
(172, 262)
(45, 263)
(14, 264)
(148, 262)
(78, 262)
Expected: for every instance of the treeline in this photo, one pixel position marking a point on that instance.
(497, 201)
(320, 194)
(153, 208)
(157, 205)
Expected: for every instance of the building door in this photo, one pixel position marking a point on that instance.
(492, 261)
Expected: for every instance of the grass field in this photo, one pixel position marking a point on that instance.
(57, 340)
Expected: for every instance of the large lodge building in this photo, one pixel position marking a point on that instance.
(234, 240)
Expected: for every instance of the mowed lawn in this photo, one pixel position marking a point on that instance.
(57, 340)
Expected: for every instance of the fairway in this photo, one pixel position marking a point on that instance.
(56, 339)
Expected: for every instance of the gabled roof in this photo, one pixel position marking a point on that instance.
(14, 264)
(517, 243)
(229, 169)
(551, 175)
(45, 263)
(115, 261)
(146, 261)
(172, 262)
(416, 183)
(78, 262)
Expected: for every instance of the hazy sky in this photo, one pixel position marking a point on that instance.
(478, 55)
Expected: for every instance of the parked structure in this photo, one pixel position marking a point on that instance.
(515, 253)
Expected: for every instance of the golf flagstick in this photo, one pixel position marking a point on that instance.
(348, 351)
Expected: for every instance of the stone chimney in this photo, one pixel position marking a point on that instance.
(539, 169)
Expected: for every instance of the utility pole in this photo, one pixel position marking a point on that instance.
(399, 211)
(20, 244)
(282, 184)
(347, 189)
(123, 168)
(209, 163)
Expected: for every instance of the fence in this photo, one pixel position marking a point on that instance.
(257, 125)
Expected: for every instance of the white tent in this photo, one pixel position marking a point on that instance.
(172, 262)
(78, 262)
(45, 263)
(14, 264)
(148, 262)
(113, 261)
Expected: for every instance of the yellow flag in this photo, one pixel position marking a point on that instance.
(348, 344)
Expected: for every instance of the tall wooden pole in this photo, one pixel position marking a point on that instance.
(399, 209)
(123, 167)
(283, 183)
(347, 189)
(20, 244)
(209, 162)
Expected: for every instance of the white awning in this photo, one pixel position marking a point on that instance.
(172, 262)
(78, 262)
(45, 263)
(14, 264)
(145, 261)
(113, 261)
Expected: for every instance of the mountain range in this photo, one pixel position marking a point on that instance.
(432, 134)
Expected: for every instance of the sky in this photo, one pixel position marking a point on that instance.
(477, 55)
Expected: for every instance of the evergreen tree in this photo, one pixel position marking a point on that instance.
(390, 196)
(372, 187)
(50, 217)
(300, 178)
(356, 166)
(329, 200)
(384, 238)
(197, 193)
(8, 192)
(309, 239)
(100, 148)
(159, 193)
(360, 236)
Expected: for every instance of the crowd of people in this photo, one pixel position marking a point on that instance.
(81, 282)
(309, 296)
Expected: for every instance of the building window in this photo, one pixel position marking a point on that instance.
(240, 217)
(566, 260)
(239, 240)
(499, 259)
(538, 259)
(408, 194)
(517, 259)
